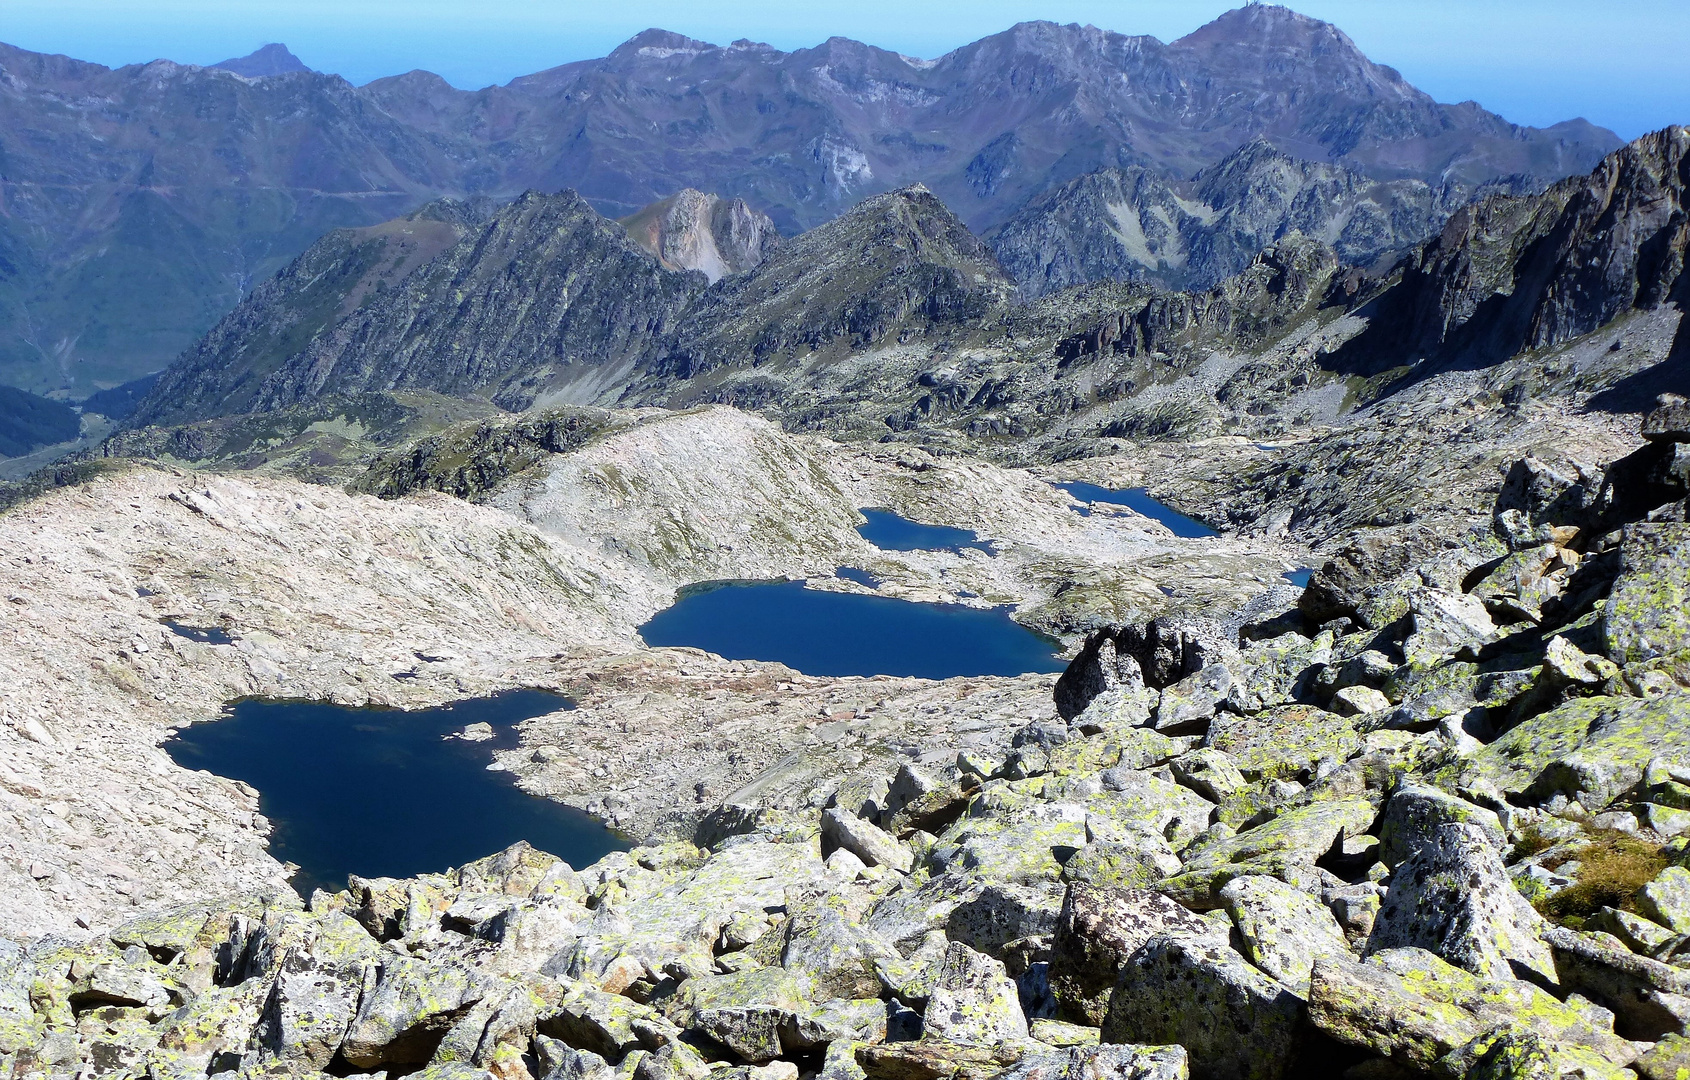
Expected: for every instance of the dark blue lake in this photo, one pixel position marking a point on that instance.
(889, 532)
(380, 792)
(826, 633)
(1136, 500)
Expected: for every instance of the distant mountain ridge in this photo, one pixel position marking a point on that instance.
(142, 203)
(1137, 224)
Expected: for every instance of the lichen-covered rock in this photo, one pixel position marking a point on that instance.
(1137, 862)
(1004, 912)
(1411, 1007)
(744, 1011)
(680, 923)
(590, 1019)
(1187, 705)
(1453, 897)
(1416, 811)
(1283, 742)
(1667, 899)
(1108, 1061)
(1647, 617)
(873, 845)
(1286, 847)
(1359, 701)
(1234, 1022)
(1442, 624)
(1209, 772)
(1648, 998)
(936, 1059)
(1668, 1059)
(1099, 668)
(1592, 750)
(413, 1003)
(834, 952)
(1099, 928)
(973, 1001)
(1281, 930)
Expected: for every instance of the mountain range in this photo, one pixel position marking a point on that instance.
(140, 204)
(896, 317)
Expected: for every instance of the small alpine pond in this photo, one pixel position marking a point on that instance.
(1138, 501)
(837, 634)
(384, 792)
(889, 532)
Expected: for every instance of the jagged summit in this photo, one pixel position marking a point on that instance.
(271, 59)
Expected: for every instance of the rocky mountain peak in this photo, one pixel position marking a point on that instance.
(692, 230)
(267, 60)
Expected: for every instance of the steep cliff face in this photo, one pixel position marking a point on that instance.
(692, 230)
(1512, 274)
(1138, 224)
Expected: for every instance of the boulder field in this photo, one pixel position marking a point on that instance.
(1430, 821)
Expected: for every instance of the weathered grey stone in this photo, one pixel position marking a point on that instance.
(871, 844)
(310, 1007)
(1187, 705)
(973, 1001)
(1234, 1022)
(1098, 668)
(1669, 421)
(1136, 862)
(1005, 912)
(936, 1059)
(592, 1020)
(861, 1020)
(1667, 899)
(412, 1005)
(1106, 1062)
(835, 952)
(1285, 847)
(1407, 1005)
(744, 1011)
(1283, 742)
(1640, 935)
(1359, 701)
(1099, 928)
(1648, 998)
(1415, 812)
(561, 1061)
(1211, 773)
(1282, 931)
(1453, 897)
(1668, 1059)
(1647, 618)
(1442, 624)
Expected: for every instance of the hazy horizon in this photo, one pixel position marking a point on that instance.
(1534, 63)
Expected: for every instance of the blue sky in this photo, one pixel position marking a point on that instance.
(1619, 63)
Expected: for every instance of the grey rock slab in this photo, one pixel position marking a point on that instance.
(1234, 1022)
(1211, 773)
(1108, 1061)
(1283, 742)
(835, 953)
(1187, 705)
(867, 841)
(1647, 617)
(560, 1061)
(1669, 421)
(310, 1007)
(1442, 624)
(1098, 929)
(1415, 812)
(1454, 898)
(974, 1001)
(1667, 899)
(1282, 930)
(589, 1019)
(401, 1020)
(1004, 912)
